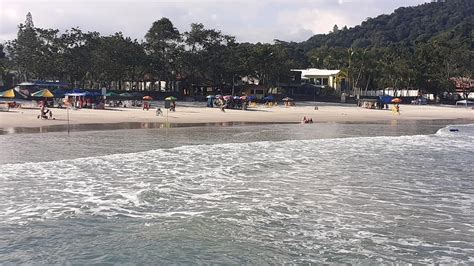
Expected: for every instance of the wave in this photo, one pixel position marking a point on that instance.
(460, 130)
(343, 195)
(456, 131)
(136, 183)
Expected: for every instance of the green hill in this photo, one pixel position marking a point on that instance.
(453, 19)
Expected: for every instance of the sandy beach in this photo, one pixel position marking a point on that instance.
(197, 113)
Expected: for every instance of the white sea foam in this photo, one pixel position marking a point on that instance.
(351, 192)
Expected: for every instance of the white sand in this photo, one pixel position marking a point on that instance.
(198, 113)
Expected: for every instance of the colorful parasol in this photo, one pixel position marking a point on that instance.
(396, 100)
(43, 94)
(170, 98)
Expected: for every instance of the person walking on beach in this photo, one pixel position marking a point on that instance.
(396, 109)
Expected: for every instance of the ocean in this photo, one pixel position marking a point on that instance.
(362, 193)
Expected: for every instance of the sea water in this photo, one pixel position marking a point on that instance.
(322, 193)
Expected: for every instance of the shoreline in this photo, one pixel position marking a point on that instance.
(156, 125)
(19, 121)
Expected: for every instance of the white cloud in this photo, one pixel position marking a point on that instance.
(248, 20)
(314, 20)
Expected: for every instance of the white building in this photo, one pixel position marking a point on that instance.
(322, 77)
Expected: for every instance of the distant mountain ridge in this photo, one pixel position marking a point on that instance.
(452, 19)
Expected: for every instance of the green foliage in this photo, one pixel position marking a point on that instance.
(421, 47)
(406, 25)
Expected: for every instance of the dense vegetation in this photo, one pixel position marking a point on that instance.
(419, 47)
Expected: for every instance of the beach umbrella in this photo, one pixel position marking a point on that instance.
(227, 97)
(8, 94)
(13, 94)
(287, 99)
(210, 96)
(43, 93)
(125, 95)
(111, 94)
(252, 98)
(170, 98)
(147, 98)
(396, 100)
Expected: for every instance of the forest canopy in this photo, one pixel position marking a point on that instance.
(422, 47)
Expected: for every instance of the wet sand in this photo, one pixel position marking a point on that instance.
(196, 114)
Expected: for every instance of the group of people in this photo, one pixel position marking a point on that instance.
(307, 120)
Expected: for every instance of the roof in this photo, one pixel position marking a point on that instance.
(44, 83)
(317, 72)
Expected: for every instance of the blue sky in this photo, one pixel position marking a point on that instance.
(248, 20)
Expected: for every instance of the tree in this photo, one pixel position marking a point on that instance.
(25, 50)
(162, 45)
(207, 50)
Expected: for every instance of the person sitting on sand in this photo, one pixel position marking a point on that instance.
(158, 111)
(307, 120)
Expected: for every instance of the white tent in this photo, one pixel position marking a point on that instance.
(464, 102)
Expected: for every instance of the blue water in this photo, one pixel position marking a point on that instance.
(342, 193)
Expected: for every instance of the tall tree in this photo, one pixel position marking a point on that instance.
(25, 50)
(162, 45)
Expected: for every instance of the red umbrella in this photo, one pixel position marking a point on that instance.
(396, 100)
(148, 98)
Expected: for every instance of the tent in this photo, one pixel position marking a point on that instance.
(93, 94)
(269, 98)
(464, 102)
(386, 99)
(76, 94)
(77, 90)
(59, 93)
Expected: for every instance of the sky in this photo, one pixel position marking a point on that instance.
(247, 20)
